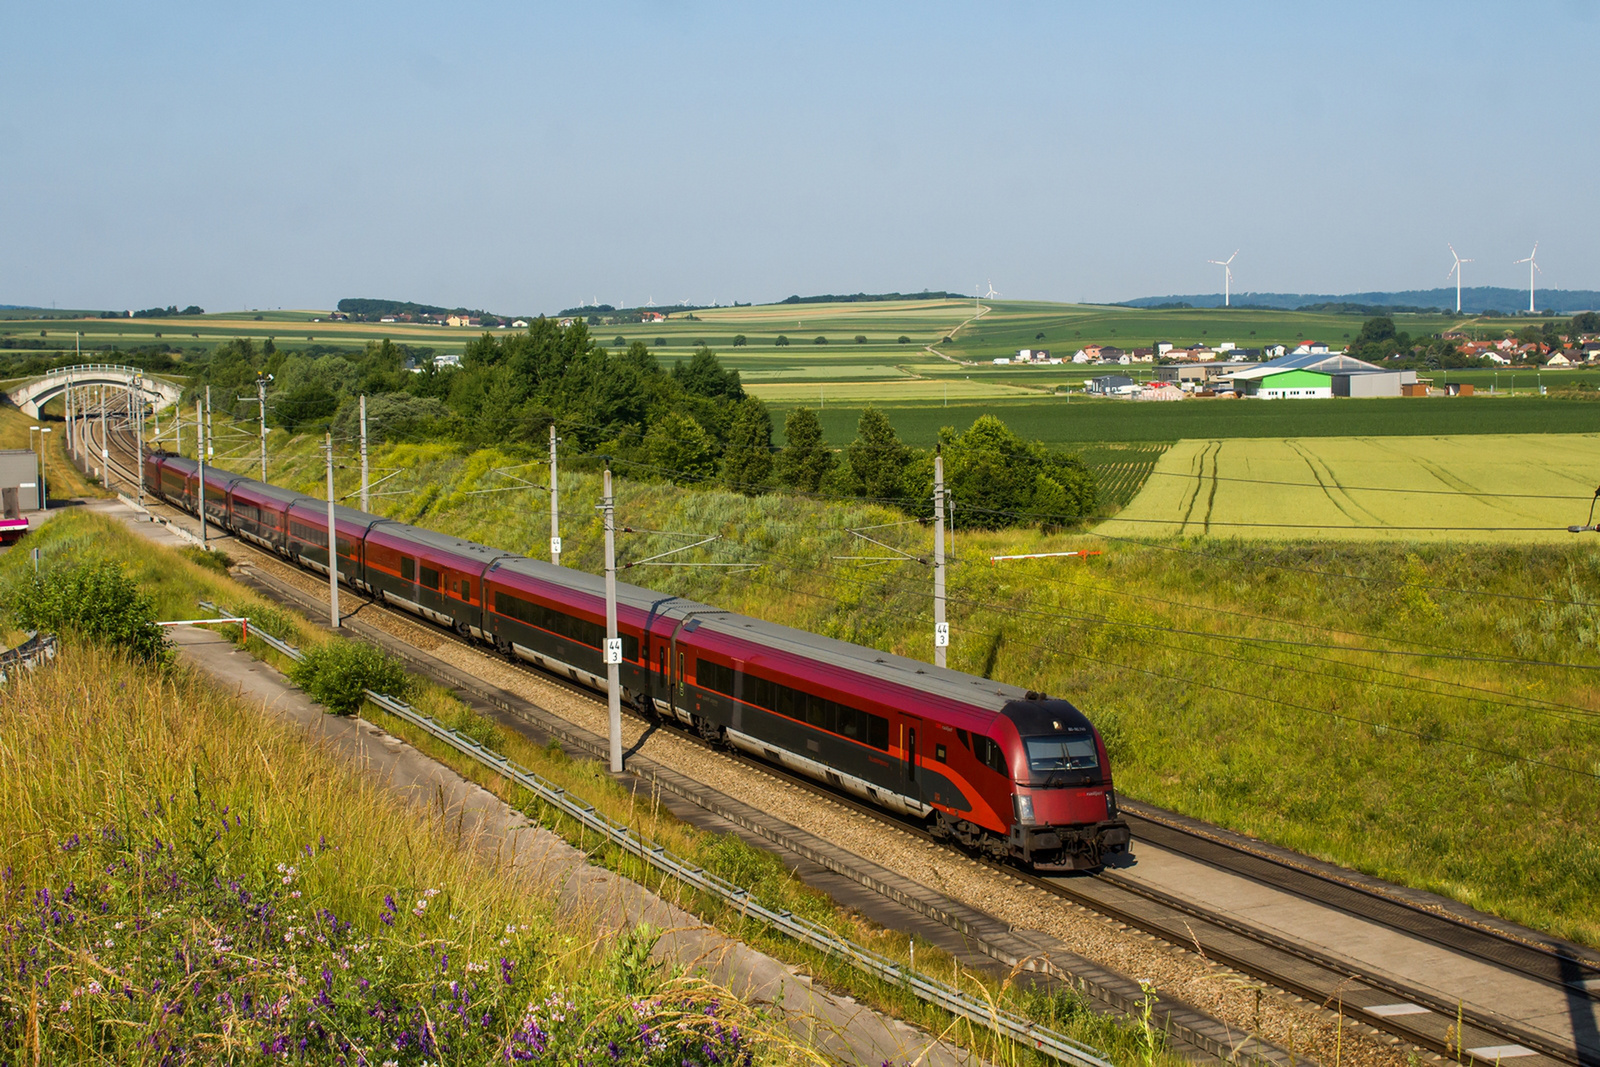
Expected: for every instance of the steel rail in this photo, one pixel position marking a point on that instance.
(1002, 1022)
(1060, 887)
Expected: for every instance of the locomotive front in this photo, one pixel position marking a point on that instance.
(1064, 807)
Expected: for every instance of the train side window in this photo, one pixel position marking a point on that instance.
(965, 738)
(715, 677)
(466, 590)
(630, 647)
(408, 568)
(430, 577)
(663, 660)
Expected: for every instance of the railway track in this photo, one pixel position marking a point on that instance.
(1323, 976)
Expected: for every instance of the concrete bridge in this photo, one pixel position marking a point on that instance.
(35, 393)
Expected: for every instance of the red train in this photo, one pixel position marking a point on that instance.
(1004, 771)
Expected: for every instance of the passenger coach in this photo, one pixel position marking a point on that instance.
(1004, 771)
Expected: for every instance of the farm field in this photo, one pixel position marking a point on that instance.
(1063, 421)
(1121, 470)
(1000, 329)
(1492, 488)
(1068, 327)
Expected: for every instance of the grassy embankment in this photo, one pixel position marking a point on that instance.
(177, 580)
(188, 881)
(1304, 692)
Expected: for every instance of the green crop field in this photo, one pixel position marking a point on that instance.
(1060, 421)
(1483, 487)
(1121, 469)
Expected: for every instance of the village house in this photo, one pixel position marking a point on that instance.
(1111, 385)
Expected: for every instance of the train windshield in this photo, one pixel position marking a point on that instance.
(1067, 752)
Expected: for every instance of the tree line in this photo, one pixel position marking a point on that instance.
(691, 423)
(1380, 342)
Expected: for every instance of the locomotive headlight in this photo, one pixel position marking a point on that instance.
(1024, 809)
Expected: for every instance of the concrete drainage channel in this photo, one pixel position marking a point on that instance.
(1006, 1024)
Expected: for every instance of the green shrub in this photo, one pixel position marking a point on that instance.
(95, 599)
(336, 674)
(213, 559)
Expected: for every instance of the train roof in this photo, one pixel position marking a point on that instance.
(1021, 706)
(268, 491)
(954, 685)
(441, 542)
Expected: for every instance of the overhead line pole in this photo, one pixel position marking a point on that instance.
(613, 642)
(200, 454)
(363, 453)
(941, 628)
(105, 443)
(211, 437)
(138, 432)
(333, 545)
(555, 505)
(261, 398)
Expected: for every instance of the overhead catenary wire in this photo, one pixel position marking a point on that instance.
(1269, 641)
(1537, 705)
(1245, 694)
(1241, 693)
(1366, 488)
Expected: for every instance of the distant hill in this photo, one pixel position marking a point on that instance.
(1476, 300)
(862, 298)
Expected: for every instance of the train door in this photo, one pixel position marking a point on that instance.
(661, 681)
(910, 742)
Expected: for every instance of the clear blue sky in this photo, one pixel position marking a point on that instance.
(527, 157)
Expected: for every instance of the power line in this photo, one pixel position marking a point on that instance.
(1268, 644)
(1368, 488)
(1078, 654)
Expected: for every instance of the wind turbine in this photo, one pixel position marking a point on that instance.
(1456, 270)
(1532, 266)
(650, 303)
(1227, 277)
(991, 294)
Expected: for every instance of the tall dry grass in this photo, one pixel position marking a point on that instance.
(188, 880)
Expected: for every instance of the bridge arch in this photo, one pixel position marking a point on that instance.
(32, 395)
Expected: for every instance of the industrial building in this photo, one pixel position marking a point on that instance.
(1311, 375)
(1203, 373)
(19, 482)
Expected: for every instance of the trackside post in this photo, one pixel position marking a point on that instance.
(613, 642)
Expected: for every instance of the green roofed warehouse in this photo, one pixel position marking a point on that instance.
(1309, 375)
